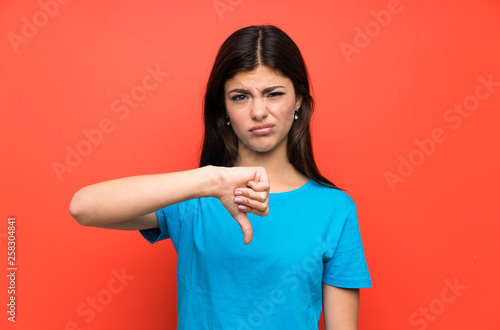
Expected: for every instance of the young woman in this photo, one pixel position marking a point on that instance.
(302, 246)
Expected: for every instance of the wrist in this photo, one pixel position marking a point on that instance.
(211, 177)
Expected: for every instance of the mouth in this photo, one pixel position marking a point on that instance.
(262, 129)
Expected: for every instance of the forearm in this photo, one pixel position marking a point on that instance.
(129, 198)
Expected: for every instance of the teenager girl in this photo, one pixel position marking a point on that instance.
(301, 248)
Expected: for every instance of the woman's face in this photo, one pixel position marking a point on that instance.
(261, 106)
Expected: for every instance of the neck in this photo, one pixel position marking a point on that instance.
(282, 174)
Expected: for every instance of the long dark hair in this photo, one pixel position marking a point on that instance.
(245, 50)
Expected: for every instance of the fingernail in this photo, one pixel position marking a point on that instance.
(238, 193)
(238, 200)
(242, 207)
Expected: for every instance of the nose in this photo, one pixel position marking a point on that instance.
(259, 109)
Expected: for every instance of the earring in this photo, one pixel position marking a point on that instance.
(296, 115)
(228, 122)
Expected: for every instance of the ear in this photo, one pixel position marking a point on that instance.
(298, 102)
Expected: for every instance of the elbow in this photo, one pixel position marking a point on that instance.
(78, 208)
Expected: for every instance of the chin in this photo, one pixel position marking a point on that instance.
(262, 149)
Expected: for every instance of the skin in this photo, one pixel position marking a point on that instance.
(340, 308)
(255, 98)
(261, 97)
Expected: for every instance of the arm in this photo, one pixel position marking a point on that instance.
(340, 308)
(129, 203)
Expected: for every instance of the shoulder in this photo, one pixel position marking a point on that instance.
(329, 192)
(331, 196)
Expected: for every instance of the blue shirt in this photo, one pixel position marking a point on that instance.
(311, 236)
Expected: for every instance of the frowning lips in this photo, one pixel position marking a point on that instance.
(261, 127)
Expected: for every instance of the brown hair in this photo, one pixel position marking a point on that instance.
(245, 50)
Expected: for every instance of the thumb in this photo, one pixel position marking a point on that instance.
(246, 227)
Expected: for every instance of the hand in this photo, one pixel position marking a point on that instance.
(242, 190)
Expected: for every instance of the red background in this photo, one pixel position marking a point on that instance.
(438, 224)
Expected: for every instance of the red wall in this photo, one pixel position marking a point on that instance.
(407, 93)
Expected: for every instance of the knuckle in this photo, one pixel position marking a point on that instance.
(258, 197)
(253, 204)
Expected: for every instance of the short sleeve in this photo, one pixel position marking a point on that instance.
(168, 222)
(154, 235)
(348, 268)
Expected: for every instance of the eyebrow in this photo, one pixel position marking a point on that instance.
(264, 91)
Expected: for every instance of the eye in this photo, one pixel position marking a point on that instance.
(239, 97)
(275, 94)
